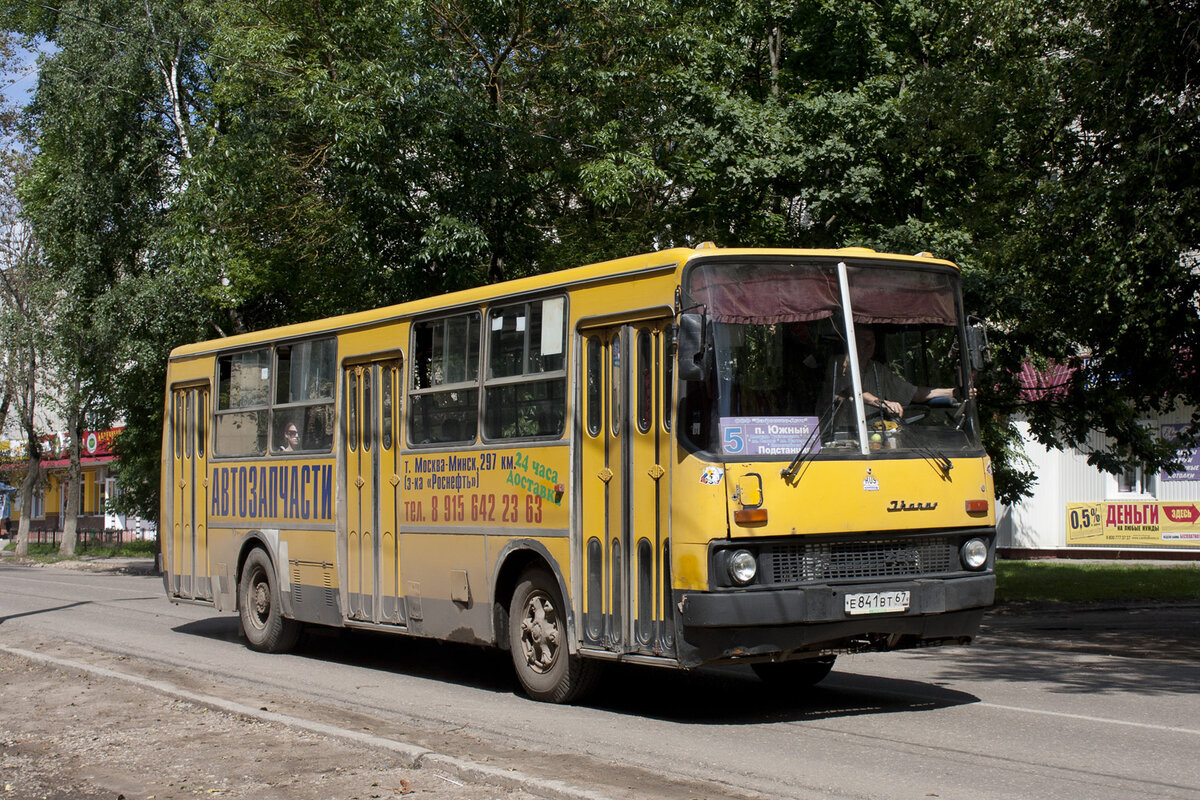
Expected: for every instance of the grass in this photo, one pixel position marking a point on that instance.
(49, 552)
(1065, 582)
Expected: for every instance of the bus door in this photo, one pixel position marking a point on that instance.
(625, 477)
(372, 451)
(189, 571)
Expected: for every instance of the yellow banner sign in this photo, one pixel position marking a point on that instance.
(1135, 524)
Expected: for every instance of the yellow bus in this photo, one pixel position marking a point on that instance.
(691, 457)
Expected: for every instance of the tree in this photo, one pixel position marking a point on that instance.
(247, 165)
(26, 305)
(1094, 261)
(112, 121)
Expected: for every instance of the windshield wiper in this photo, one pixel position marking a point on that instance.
(791, 473)
(939, 460)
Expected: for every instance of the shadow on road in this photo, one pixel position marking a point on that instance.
(45, 611)
(733, 696)
(1065, 671)
(725, 696)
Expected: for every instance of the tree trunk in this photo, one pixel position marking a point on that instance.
(33, 447)
(32, 475)
(74, 471)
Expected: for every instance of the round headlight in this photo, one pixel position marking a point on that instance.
(974, 553)
(742, 567)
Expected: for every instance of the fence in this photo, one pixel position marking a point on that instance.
(88, 538)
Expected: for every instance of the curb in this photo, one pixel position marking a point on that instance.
(408, 755)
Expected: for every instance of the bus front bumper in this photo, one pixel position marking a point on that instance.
(719, 627)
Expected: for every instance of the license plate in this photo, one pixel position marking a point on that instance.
(877, 602)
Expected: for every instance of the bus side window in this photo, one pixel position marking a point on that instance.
(526, 380)
(242, 401)
(304, 381)
(443, 402)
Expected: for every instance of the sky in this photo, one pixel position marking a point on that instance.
(19, 82)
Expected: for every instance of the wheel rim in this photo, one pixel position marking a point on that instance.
(540, 633)
(260, 601)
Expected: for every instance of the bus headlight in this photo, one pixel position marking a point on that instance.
(974, 553)
(743, 567)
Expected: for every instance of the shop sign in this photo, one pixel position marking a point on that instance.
(1134, 524)
(1189, 458)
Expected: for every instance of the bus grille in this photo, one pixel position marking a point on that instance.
(835, 561)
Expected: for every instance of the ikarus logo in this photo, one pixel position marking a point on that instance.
(903, 505)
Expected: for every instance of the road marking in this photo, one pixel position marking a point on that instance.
(415, 757)
(1087, 718)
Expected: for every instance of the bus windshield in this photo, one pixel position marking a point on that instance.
(782, 379)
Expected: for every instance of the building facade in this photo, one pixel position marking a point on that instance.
(98, 485)
(1078, 510)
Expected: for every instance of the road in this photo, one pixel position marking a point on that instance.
(989, 721)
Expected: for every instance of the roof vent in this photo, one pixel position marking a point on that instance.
(706, 246)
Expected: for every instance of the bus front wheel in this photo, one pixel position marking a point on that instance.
(537, 637)
(260, 610)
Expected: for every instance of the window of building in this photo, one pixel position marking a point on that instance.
(444, 395)
(1134, 481)
(525, 390)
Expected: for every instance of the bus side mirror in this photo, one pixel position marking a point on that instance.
(693, 347)
(977, 344)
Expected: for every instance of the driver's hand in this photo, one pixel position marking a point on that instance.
(893, 408)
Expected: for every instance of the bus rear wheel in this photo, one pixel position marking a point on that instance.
(259, 607)
(537, 638)
(794, 674)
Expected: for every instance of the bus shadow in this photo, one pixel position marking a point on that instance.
(734, 696)
(722, 696)
(468, 665)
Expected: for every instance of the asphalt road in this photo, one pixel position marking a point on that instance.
(1041, 707)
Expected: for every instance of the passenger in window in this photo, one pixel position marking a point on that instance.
(291, 438)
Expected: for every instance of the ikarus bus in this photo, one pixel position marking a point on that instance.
(691, 457)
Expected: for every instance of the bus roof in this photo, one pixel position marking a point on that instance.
(628, 266)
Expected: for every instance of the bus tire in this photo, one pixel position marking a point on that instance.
(537, 636)
(794, 674)
(259, 608)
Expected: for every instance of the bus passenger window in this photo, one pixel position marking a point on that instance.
(444, 394)
(304, 379)
(241, 415)
(526, 382)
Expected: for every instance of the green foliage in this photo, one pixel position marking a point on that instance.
(205, 169)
